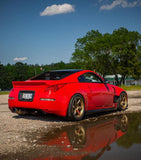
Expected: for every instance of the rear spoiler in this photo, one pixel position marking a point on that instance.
(28, 83)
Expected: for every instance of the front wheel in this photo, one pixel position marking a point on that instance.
(76, 108)
(122, 101)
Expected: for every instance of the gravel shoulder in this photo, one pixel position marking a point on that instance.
(13, 128)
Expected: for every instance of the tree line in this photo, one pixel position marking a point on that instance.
(22, 71)
(115, 53)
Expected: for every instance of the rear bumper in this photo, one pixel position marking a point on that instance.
(58, 106)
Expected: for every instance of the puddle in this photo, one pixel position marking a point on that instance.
(101, 138)
(87, 140)
(109, 137)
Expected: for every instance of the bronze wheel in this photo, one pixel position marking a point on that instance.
(78, 137)
(76, 107)
(122, 102)
(124, 123)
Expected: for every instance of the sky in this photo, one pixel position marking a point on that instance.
(45, 31)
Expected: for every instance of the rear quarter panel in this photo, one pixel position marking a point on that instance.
(77, 88)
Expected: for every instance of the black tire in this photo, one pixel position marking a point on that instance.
(76, 109)
(122, 101)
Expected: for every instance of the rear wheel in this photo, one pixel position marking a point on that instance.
(122, 101)
(76, 108)
(77, 136)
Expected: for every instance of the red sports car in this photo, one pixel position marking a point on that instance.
(67, 93)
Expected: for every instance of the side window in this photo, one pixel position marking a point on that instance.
(89, 77)
(81, 78)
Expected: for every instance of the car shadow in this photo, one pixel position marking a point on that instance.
(47, 117)
(55, 118)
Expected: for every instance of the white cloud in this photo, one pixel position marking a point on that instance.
(122, 3)
(57, 9)
(20, 59)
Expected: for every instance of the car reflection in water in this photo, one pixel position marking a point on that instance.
(88, 140)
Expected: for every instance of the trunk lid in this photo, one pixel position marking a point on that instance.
(30, 89)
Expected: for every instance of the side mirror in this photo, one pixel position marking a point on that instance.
(106, 81)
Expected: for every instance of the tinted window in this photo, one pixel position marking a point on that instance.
(54, 75)
(89, 77)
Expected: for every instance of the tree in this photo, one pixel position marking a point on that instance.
(116, 53)
(20, 71)
(125, 50)
(85, 51)
(2, 75)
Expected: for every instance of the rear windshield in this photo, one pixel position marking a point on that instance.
(53, 75)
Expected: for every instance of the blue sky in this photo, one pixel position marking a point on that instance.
(45, 31)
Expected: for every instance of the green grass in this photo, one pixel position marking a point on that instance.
(131, 88)
(5, 92)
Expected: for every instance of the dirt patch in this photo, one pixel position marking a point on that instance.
(4, 99)
(134, 94)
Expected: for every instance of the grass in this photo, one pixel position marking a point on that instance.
(131, 88)
(4, 92)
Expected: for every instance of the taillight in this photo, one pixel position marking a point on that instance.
(12, 90)
(56, 87)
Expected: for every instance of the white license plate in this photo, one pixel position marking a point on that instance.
(27, 96)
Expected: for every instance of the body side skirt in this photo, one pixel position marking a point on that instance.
(100, 110)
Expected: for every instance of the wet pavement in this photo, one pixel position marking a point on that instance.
(105, 137)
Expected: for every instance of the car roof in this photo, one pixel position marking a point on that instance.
(72, 76)
(56, 74)
(67, 70)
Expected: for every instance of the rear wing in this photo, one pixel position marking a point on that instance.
(28, 83)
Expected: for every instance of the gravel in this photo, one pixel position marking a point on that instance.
(14, 128)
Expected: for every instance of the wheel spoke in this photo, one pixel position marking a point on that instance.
(78, 111)
(73, 106)
(121, 103)
(75, 112)
(79, 107)
(75, 102)
(78, 102)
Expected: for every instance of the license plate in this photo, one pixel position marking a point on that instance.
(27, 96)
